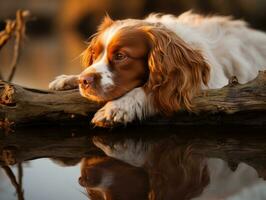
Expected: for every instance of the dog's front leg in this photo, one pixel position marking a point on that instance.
(64, 82)
(132, 152)
(133, 105)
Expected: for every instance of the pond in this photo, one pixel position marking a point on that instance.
(133, 162)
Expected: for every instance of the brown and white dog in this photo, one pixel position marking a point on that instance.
(164, 170)
(140, 171)
(156, 65)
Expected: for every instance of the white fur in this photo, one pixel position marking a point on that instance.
(256, 191)
(64, 82)
(133, 105)
(130, 152)
(101, 66)
(226, 184)
(110, 33)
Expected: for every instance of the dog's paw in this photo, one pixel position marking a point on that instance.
(98, 142)
(110, 150)
(112, 114)
(64, 82)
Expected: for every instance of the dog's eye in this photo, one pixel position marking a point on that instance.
(119, 56)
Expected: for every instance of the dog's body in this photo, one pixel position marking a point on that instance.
(156, 65)
(229, 46)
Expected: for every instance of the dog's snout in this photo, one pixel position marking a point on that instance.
(82, 182)
(88, 79)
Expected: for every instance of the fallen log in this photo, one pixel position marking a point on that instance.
(234, 104)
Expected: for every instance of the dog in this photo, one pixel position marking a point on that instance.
(165, 170)
(140, 68)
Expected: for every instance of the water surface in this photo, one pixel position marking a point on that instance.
(49, 159)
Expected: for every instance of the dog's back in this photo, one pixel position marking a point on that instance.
(229, 46)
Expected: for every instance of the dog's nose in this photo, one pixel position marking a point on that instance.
(82, 182)
(88, 79)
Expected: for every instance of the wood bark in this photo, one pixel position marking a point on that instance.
(69, 146)
(233, 104)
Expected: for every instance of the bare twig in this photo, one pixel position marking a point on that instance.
(6, 34)
(14, 28)
(14, 182)
(20, 174)
(20, 33)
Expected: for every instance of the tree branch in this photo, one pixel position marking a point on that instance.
(233, 104)
(14, 27)
(21, 17)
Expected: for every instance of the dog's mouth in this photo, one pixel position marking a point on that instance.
(92, 94)
(101, 94)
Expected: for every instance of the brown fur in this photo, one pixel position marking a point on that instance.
(176, 70)
(86, 55)
(176, 172)
(129, 73)
(128, 182)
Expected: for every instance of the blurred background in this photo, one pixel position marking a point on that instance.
(57, 33)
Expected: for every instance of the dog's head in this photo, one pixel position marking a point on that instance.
(127, 54)
(108, 178)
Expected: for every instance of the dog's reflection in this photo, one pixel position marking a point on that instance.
(165, 171)
(108, 178)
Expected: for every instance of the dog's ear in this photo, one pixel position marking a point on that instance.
(177, 71)
(87, 54)
(176, 171)
(107, 22)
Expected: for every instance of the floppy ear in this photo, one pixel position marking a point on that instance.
(87, 55)
(176, 171)
(177, 71)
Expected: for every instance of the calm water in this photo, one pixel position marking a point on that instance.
(44, 179)
(50, 159)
